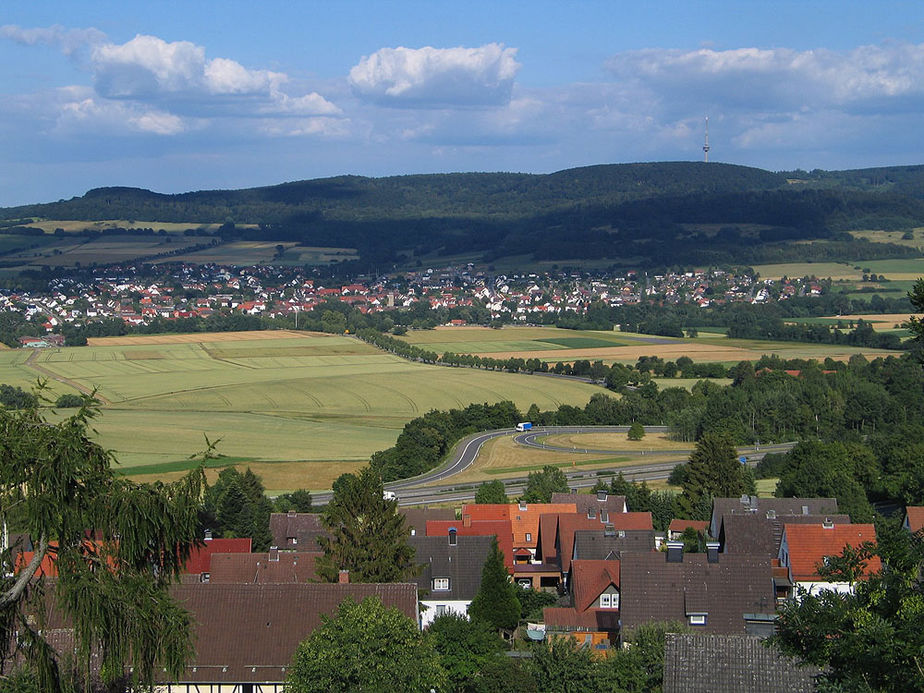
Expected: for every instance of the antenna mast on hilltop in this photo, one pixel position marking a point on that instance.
(706, 143)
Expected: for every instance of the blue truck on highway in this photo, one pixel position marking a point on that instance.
(524, 426)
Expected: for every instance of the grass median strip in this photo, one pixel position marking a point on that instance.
(563, 465)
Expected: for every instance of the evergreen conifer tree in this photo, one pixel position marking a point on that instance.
(496, 602)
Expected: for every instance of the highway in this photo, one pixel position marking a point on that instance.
(423, 489)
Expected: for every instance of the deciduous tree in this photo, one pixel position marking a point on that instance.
(366, 647)
(491, 492)
(541, 485)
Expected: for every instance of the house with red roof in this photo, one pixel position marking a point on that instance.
(914, 518)
(198, 566)
(593, 617)
(477, 528)
(807, 547)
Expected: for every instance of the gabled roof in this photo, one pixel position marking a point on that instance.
(523, 519)
(808, 545)
(568, 524)
(303, 528)
(758, 533)
(462, 564)
(914, 517)
(781, 506)
(416, 518)
(709, 663)
(263, 568)
(594, 544)
(200, 557)
(590, 578)
(655, 590)
(585, 501)
(248, 633)
(480, 528)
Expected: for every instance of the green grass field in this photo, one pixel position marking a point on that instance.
(325, 402)
(904, 269)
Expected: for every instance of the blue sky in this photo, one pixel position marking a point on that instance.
(178, 96)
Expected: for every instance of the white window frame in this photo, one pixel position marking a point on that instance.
(441, 584)
(529, 536)
(697, 619)
(605, 601)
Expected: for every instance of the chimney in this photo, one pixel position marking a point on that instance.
(675, 552)
(466, 520)
(712, 551)
(828, 523)
(274, 553)
(343, 577)
(208, 535)
(291, 513)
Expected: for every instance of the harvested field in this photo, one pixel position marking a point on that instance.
(669, 352)
(615, 441)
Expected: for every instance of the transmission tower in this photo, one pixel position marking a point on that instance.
(706, 143)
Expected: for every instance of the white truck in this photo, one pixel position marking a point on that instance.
(524, 426)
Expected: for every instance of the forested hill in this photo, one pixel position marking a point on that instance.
(651, 214)
(354, 198)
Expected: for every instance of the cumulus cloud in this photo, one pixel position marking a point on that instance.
(148, 66)
(80, 110)
(437, 77)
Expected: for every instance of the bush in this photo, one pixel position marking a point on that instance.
(69, 401)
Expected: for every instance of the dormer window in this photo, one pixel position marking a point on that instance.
(591, 513)
(604, 516)
(697, 619)
(453, 540)
(522, 506)
(441, 584)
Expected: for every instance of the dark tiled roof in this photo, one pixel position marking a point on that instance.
(655, 590)
(730, 664)
(586, 501)
(416, 518)
(297, 530)
(257, 568)
(248, 633)
(478, 528)
(757, 533)
(462, 563)
(594, 545)
(568, 525)
(781, 506)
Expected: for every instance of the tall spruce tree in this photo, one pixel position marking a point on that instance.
(713, 471)
(368, 536)
(496, 602)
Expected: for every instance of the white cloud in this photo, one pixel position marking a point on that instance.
(437, 77)
(81, 111)
(889, 76)
(68, 41)
(149, 66)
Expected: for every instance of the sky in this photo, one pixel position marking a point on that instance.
(208, 94)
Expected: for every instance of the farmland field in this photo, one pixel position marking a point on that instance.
(70, 250)
(250, 252)
(550, 344)
(903, 269)
(301, 408)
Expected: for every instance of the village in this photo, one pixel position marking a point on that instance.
(138, 295)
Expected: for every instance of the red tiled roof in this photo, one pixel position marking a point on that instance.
(915, 516)
(568, 524)
(200, 557)
(809, 544)
(248, 633)
(522, 522)
(263, 568)
(590, 578)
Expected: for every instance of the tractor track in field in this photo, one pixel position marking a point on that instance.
(31, 363)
